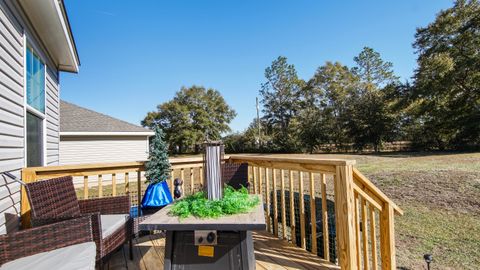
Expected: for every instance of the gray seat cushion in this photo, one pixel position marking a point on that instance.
(76, 257)
(111, 223)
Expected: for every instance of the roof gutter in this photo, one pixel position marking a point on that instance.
(50, 21)
(69, 28)
(125, 133)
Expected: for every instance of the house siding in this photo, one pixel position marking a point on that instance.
(98, 149)
(12, 111)
(53, 119)
(11, 117)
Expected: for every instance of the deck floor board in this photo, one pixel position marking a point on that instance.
(270, 253)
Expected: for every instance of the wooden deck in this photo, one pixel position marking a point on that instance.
(270, 253)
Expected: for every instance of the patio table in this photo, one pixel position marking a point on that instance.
(221, 243)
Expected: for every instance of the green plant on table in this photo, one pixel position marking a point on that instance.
(233, 202)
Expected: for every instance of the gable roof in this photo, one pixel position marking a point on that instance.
(76, 120)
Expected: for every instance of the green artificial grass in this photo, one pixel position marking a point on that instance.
(233, 202)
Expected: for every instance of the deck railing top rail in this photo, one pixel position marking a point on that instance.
(303, 160)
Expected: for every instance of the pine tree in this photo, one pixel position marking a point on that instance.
(158, 166)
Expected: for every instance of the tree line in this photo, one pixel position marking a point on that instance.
(361, 106)
(366, 105)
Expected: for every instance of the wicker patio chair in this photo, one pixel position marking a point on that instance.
(55, 199)
(63, 245)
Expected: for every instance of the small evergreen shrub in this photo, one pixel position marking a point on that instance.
(233, 202)
(157, 168)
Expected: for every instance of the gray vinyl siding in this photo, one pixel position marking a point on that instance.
(11, 117)
(12, 111)
(53, 119)
(98, 149)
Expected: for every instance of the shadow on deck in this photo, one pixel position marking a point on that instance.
(270, 253)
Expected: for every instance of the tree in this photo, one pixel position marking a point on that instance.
(311, 130)
(371, 119)
(247, 141)
(192, 115)
(373, 72)
(157, 168)
(447, 80)
(280, 102)
(333, 86)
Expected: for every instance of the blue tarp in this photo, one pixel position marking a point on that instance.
(157, 195)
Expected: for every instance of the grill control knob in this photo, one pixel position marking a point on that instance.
(200, 239)
(211, 237)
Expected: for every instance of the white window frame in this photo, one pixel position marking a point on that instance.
(30, 109)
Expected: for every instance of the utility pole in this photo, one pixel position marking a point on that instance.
(258, 122)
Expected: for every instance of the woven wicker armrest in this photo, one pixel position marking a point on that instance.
(45, 238)
(104, 206)
(44, 220)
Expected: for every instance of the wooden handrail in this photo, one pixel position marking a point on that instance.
(31, 174)
(296, 160)
(358, 202)
(375, 190)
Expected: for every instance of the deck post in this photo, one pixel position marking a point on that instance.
(387, 237)
(345, 220)
(28, 176)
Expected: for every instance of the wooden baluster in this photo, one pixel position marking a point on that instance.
(275, 203)
(303, 242)
(114, 185)
(202, 183)
(255, 170)
(313, 214)
(283, 204)
(326, 234)
(292, 209)
(85, 187)
(344, 220)
(192, 188)
(373, 237)
(250, 180)
(172, 179)
(100, 186)
(139, 190)
(365, 235)
(260, 181)
(387, 237)
(182, 186)
(267, 197)
(357, 232)
(127, 183)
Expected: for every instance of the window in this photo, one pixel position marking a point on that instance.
(35, 109)
(35, 81)
(34, 140)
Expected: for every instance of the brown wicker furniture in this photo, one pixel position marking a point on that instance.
(55, 199)
(49, 244)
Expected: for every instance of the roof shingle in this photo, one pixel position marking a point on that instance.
(74, 118)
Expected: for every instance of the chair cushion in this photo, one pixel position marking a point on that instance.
(111, 223)
(76, 257)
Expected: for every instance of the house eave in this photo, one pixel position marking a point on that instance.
(125, 133)
(49, 18)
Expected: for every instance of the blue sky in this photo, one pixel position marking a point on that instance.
(137, 54)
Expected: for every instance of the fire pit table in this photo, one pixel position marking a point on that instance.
(221, 243)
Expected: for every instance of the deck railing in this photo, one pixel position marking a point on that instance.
(325, 206)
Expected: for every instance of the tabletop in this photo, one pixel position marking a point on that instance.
(163, 220)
